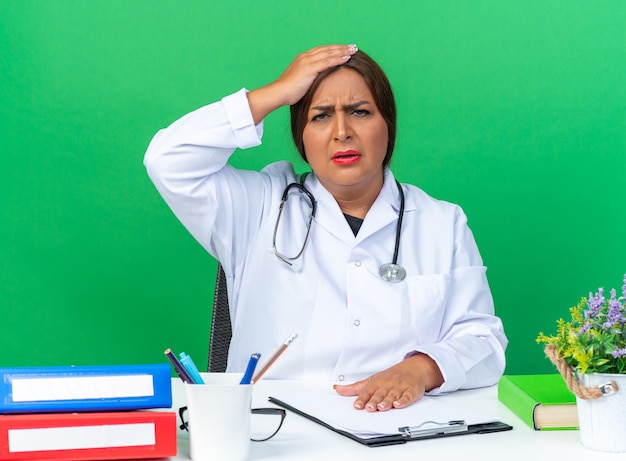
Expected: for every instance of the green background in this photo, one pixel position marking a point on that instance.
(514, 110)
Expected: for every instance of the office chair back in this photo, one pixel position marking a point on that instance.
(221, 330)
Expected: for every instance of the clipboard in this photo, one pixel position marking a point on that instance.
(424, 431)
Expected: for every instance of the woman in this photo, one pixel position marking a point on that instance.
(428, 326)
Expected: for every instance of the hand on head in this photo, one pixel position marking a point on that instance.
(298, 77)
(294, 82)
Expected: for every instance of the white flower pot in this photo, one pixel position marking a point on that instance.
(602, 421)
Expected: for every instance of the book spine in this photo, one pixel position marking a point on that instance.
(517, 400)
(88, 436)
(75, 389)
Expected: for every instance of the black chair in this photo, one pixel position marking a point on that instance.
(221, 330)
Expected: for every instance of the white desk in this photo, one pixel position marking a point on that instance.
(301, 439)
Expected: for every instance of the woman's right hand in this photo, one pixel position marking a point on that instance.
(294, 82)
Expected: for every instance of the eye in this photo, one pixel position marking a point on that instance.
(319, 117)
(361, 112)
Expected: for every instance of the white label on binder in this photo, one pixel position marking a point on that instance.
(81, 437)
(81, 387)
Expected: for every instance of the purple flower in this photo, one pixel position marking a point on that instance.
(584, 328)
(617, 353)
(595, 303)
(615, 310)
(624, 287)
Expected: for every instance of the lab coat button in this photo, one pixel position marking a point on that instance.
(357, 322)
(357, 263)
(341, 377)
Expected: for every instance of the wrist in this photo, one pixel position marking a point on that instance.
(428, 370)
(265, 100)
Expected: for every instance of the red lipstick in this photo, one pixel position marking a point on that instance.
(347, 157)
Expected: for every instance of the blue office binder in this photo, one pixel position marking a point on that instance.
(85, 388)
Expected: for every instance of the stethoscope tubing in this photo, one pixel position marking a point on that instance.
(391, 272)
(396, 248)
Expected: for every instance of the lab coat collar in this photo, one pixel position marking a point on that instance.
(383, 212)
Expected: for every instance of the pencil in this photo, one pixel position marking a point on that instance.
(180, 369)
(274, 357)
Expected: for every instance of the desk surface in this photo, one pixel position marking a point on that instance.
(301, 439)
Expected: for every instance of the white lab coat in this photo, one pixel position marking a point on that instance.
(350, 323)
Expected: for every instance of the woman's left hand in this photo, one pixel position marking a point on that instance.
(395, 387)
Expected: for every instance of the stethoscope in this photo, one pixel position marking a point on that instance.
(390, 272)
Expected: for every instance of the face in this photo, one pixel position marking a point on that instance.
(345, 137)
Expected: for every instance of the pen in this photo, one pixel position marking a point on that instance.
(247, 376)
(191, 368)
(180, 369)
(274, 357)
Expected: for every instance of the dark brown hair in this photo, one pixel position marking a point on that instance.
(378, 84)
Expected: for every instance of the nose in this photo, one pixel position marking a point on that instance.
(341, 127)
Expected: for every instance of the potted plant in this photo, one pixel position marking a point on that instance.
(589, 350)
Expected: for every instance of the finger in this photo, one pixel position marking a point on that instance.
(330, 54)
(321, 58)
(404, 401)
(348, 390)
(363, 401)
(410, 395)
(395, 397)
(381, 399)
(359, 389)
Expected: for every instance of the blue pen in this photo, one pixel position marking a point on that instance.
(191, 368)
(247, 377)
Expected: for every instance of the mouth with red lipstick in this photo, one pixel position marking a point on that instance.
(347, 157)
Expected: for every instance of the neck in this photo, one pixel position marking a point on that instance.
(356, 199)
(357, 208)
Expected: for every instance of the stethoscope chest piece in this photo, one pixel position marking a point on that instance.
(391, 272)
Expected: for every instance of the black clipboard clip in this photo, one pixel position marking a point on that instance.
(430, 428)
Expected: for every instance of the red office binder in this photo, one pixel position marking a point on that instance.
(88, 436)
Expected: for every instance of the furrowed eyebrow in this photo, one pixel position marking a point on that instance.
(346, 107)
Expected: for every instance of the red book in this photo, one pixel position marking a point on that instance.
(88, 436)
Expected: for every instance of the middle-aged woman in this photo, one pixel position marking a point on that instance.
(384, 334)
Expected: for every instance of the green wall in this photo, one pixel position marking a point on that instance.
(515, 110)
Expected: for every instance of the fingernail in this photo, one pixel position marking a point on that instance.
(346, 57)
(358, 405)
(353, 48)
(370, 406)
(382, 405)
